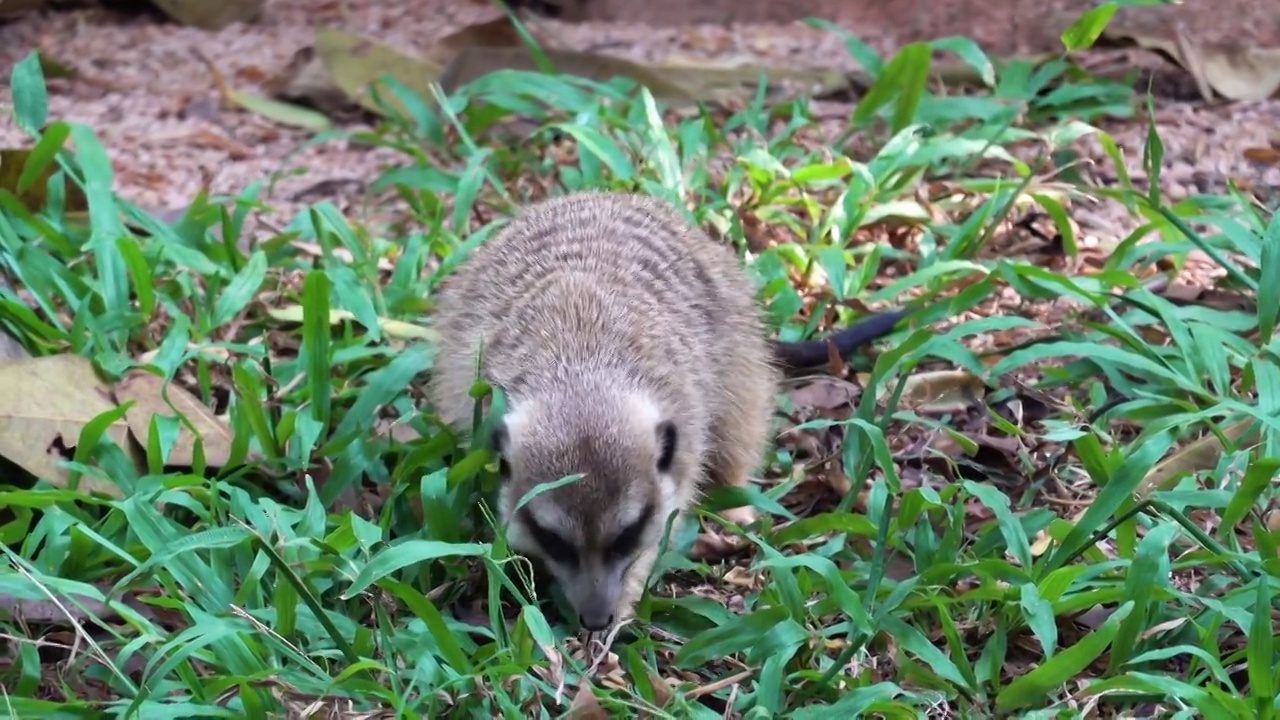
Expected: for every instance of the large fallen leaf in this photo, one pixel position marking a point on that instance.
(147, 392)
(44, 404)
(940, 391)
(478, 50)
(306, 79)
(355, 62)
(340, 68)
(1201, 454)
(1235, 71)
(211, 14)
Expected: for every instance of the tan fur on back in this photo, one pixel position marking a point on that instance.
(585, 305)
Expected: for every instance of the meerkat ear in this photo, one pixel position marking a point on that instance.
(666, 445)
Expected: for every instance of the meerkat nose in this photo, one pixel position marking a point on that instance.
(595, 621)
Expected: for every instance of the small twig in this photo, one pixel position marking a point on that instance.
(604, 646)
(720, 684)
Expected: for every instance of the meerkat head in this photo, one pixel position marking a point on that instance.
(590, 531)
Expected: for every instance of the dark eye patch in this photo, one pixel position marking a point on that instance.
(556, 547)
(627, 542)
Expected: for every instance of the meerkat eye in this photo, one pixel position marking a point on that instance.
(666, 445)
(628, 541)
(556, 547)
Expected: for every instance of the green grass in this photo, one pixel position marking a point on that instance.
(331, 544)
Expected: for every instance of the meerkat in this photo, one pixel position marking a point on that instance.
(631, 350)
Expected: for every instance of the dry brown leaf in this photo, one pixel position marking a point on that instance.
(478, 50)
(711, 545)
(342, 65)
(585, 706)
(825, 393)
(743, 578)
(1271, 525)
(1041, 544)
(305, 78)
(941, 391)
(1271, 520)
(355, 62)
(1094, 617)
(1235, 71)
(44, 404)
(498, 32)
(1263, 155)
(13, 161)
(1200, 454)
(148, 393)
(211, 15)
(396, 430)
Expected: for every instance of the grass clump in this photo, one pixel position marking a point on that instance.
(1024, 511)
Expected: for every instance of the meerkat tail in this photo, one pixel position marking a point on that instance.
(810, 353)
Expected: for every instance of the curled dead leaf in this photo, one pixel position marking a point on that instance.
(1041, 544)
(1235, 71)
(148, 391)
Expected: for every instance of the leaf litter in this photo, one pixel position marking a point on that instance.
(974, 445)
